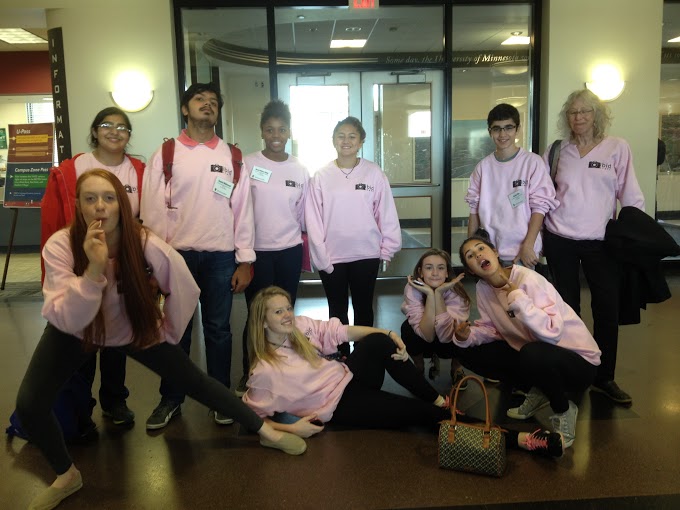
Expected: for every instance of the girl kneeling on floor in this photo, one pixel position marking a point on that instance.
(432, 294)
(102, 277)
(526, 335)
(293, 371)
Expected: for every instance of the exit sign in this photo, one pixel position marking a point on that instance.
(364, 4)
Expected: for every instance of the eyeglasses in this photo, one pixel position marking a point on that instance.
(118, 127)
(506, 129)
(582, 111)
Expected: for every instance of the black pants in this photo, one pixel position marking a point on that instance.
(281, 268)
(364, 404)
(565, 256)
(416, 345)
(112, 390)
(58, 356)
(357, 277)
(552, 369)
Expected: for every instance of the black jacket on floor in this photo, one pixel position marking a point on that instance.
(639, 243)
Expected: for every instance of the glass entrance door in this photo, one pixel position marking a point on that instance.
(402, 115)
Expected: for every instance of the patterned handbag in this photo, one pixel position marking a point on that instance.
(472, 447)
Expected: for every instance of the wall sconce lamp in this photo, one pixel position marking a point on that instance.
(606, 83)
(132, 91)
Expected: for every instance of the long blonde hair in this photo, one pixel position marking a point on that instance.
(259, 349)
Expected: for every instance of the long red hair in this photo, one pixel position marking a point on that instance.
(132, 271)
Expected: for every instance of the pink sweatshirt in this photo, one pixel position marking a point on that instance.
(414, 309)
(506, 194)
(588, 187)
(534, 312)
(351, 218)
(72, 302)
(200, 219)
(279, 203)
(293, 385)
(125, 172)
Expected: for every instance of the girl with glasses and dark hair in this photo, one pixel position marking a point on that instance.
(109, 138)
(99, 294)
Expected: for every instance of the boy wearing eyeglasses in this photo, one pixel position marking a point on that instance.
(510, 192)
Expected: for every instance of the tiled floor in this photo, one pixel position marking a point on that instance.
(622, 458)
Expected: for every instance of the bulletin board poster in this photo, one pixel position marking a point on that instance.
(29, 159)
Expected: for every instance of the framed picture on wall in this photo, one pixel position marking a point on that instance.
(422, 159)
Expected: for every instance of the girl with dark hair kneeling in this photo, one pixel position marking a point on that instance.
(526, 335)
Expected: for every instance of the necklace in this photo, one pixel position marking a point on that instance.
(276, 346)
(347, 174)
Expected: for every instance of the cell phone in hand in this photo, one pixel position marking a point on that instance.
(317, 422)
(418, 282)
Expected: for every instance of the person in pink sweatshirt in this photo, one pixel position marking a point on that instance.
(526, 335)
(109, 137)
(352, 224)
(432, 292)
(278, 183)
(103, 278)
(510, 192)
(295, 369)
(593, 172)
(205, 215)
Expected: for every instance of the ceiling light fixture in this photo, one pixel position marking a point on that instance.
(19, 36)
(348, 43)
(675, 39)
(516, 32)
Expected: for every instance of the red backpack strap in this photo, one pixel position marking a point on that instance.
(236, 161)
(168, 150)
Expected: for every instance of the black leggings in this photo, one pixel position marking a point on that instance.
(364, 404)
(416, 345)
(58, 356)
(552, 369)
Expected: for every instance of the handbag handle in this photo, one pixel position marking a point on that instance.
(454, 398)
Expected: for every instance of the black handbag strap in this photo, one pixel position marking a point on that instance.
(553, 159)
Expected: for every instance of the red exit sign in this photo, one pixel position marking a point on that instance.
(364, 4)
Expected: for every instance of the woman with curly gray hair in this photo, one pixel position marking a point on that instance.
(593, 171)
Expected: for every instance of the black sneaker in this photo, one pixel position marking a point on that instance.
(611, 390)
(545, 443)
(120, 414)
(163, 413)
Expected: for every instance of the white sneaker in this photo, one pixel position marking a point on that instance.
(566, 424)
(534, 401)
(221, 419)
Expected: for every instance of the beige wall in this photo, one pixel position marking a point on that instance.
(103, 39)
(579, 34)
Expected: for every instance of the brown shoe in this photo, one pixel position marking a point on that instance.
(289, 443)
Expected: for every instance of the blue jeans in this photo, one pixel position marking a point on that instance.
(212, 272)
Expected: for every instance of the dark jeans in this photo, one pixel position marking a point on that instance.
(212, 272)
(552, 369)
(112, 390)
(364, 404)
(281, 268)
(565, 256)
(58, 356)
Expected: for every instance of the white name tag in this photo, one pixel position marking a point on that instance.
(260, 174)
(223, 187)
(516, 198)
